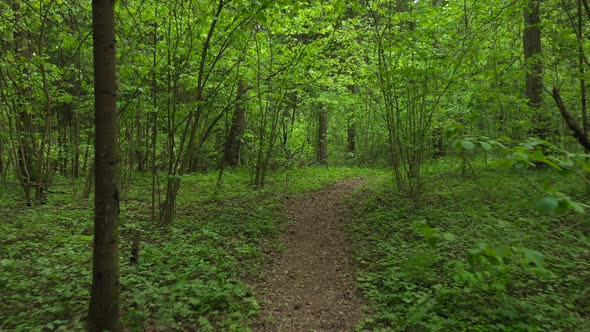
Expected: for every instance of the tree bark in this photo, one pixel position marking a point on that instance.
(238, 127)
(581, 66)
(534, 67)
(103, 313)
(351, 138)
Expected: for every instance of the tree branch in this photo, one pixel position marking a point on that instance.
(572, 124)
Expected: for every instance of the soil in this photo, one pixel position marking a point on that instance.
(309, 284)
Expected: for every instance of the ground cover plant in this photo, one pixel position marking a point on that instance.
(189, 276)
(474, 253)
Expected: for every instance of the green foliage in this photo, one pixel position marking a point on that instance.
(477, 257)
(189, 275)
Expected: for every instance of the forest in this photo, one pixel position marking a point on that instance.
(294, 165)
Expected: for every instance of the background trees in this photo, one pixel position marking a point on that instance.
(273, 84)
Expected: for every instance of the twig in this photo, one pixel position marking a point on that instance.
(469, 222)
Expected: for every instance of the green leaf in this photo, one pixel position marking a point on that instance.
(467, 145)
(534, 256)
(578, 207)
(449, 236)
(547, 205)
(494, 142)
(6, 262)
(552, 164)
(566, 163)
(453, 131)
(486, 146)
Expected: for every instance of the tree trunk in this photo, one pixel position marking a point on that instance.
(139, 148)
(581, 66)
(24, 122)
(351, 124)
(323, 136)
(103, 313)
(534, 67)
(168, 207)
(238, 127)
(572, 124)
(351, 138)
(89, 184)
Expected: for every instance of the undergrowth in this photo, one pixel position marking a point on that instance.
(473, 254)
(190, 275)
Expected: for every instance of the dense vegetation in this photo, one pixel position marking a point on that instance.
(191, 275)
(472, 255)
(189, 122)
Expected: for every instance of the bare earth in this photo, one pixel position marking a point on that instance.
(309, 286)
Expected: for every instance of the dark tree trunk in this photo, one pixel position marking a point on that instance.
(75, 131)
(534, 67)
(103, 313)
(238, 127)
(323, 136)
(26, 153)
(288, 122)
(139, 148)
(351, 127)
(351, 138)
(168, 207)
(572, 124)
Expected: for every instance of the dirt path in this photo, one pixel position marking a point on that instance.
(309, 286)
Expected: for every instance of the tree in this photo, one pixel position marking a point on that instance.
(322, 135)
(103, 313)
(238, 127)
(534, 65)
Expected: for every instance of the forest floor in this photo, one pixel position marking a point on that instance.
(316, 249)
(309, 283)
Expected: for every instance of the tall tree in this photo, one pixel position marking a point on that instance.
(103, 313)
(351, 127)
(582, 70)
(237, 130)
(534, 65)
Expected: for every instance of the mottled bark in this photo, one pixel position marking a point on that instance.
(103, 313)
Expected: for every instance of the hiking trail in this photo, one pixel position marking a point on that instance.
(309, 284)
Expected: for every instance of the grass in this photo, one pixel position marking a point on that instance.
(190, 275)
(473, 254)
